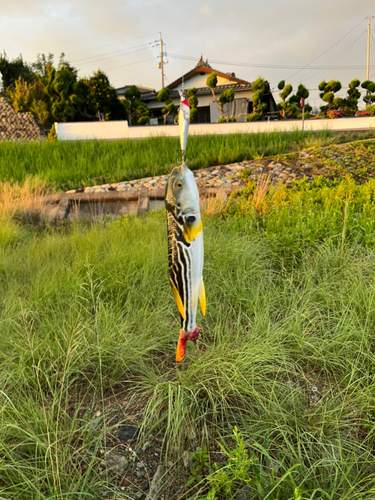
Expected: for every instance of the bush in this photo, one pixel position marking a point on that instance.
(334, 114)
(232, 119)
(253, 117)
(143, 120)
(222, 120)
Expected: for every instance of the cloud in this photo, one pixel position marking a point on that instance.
(93, 33)
(206, 11)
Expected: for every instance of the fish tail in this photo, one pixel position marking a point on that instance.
(182, 339)
(181, 346)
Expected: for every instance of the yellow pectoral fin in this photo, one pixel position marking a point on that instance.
(191, 232)
(178, 300)
(202, 299)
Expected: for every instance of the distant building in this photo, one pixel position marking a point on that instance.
(208, 111)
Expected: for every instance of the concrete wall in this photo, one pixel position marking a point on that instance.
(92, 130)
(120, 129)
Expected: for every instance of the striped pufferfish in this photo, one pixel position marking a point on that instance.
(185, 252)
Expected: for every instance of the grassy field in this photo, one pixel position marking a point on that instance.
(68, 165)
(286, 356)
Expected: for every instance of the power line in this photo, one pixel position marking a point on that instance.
(336, 43)
(339, 55)
(122, 53)
(253, 65)
(114, 43)
(129, 64)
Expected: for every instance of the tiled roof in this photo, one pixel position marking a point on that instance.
(204, 67)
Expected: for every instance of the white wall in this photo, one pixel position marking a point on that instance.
(120, 129)
(92, 130)
(339, 124)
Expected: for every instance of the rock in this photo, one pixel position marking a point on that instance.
(156, 484)
(127, 433)
(144, 486)
(186, 458)
(116, 462)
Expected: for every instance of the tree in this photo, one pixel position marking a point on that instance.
(102, 98)
(12, 70)
(286, 90)
(67, 96)
(57, 94)
(349, 105)
(260, 88)
(327, 94)
(193, 103)
(143, 114)
(164, 95)
(226, 97)
(211, 82)
(43, 65)
(29, 97)
(369, 98)
(302, 93)
(353, 95)
(292, 108)
(137, 111)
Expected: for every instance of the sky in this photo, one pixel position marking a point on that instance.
(273, 39)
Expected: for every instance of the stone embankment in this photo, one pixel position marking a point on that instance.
(17, 126)
(222, 176)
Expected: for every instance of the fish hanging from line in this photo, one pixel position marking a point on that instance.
(185, 241)
(183, 121)
(185, 252)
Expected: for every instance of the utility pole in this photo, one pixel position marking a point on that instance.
(161, 62)
(368, 49)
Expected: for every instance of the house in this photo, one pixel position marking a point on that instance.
(208, 111)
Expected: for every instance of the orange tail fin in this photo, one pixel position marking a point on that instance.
(181, 347)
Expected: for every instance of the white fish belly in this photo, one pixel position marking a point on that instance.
(184, 130)
(195, 254)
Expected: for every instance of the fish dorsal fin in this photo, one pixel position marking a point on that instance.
(178, 300)
(202, 298)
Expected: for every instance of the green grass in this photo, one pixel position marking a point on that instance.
(86, 309)
(68, 165)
